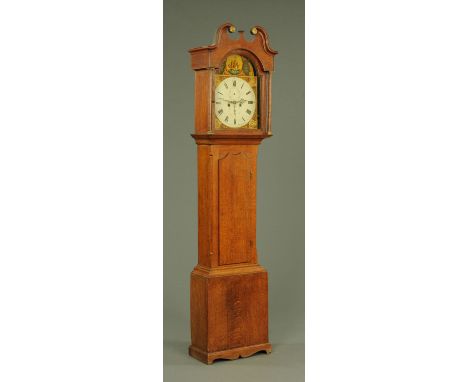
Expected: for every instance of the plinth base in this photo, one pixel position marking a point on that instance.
(245, 351)
(229, 312)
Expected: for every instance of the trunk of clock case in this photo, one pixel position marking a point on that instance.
(227, 204)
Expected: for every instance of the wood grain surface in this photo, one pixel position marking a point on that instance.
(228, 288)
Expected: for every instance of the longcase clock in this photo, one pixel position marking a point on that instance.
(228, 287)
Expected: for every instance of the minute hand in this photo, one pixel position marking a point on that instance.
(228, 101)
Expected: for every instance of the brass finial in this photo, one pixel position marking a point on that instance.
(253, 30)
(232, 28)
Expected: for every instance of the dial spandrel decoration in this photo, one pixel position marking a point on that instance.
(236, 94)
(236, 65)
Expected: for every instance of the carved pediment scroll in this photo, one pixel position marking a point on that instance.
(210, 56)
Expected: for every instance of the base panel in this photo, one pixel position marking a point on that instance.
(229, 313)
(244, 352)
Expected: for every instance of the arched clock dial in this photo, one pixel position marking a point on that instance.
(235, 102)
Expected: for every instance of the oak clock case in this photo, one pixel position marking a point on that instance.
(228, 286)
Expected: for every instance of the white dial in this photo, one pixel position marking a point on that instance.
(235, 102)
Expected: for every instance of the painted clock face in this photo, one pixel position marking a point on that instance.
(235, 102)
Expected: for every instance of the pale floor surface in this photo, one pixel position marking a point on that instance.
(285, 363)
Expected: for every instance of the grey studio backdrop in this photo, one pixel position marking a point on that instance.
(280, 186)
